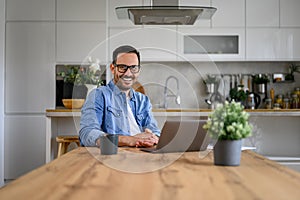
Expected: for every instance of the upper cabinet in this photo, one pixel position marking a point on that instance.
(113, 20)
(273, 44)
(81, 10)
(262, 13)
(154, 43)
(217, 44)
(77, 40)
(230, 13)
(289, 13)
(34, 10)
(30, 61)
(81, 30)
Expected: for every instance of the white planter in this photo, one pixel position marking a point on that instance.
(90, 87)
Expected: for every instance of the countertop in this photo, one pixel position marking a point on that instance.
(85, 174)
(63, 112)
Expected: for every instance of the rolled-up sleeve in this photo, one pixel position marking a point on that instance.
(90, 129)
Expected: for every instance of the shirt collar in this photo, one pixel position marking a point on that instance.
(117, 91)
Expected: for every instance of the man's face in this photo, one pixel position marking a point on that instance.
(125, 80)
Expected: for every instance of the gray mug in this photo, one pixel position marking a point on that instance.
(109, 144)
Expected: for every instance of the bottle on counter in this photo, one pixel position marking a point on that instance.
(279, 100)
(272, 96)
(297, 91)
(286, 103)
(295, 101)
(276, 106)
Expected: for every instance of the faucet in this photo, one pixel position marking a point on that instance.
(166, 95)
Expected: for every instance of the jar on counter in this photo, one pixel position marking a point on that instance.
(286, 103)
(276, 106)
(279, 100)
(295, 101)
(297, 91)
(268, 104)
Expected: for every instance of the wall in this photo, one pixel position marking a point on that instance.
(2, 31)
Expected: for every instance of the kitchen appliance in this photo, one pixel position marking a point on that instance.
(253, 101)
(164, 12)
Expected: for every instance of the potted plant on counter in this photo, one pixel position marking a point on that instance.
(80, 79)
(228, 124)
(73, 88)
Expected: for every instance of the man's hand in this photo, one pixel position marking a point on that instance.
(145, 139)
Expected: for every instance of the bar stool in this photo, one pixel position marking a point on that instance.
(64, 141)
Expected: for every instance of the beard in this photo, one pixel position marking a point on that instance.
(124, 82)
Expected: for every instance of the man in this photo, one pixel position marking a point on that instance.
(117, 109)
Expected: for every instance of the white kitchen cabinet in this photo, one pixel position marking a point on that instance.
(30, 67)
(21, 10)
(228, 46)
(262, 13)
(273, 44)
(289, 13)
(230, 13)
(24, 148)
(78, 40)
(113, 20)
(200, 22)
(81, 10)
(2, 93)
(154, 43)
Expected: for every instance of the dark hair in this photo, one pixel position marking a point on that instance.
(124, 49)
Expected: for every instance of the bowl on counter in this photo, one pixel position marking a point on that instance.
(73, 103)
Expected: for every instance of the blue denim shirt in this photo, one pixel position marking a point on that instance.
(105, 111)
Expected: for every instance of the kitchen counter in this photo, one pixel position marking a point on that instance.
(85, 174)
(62, 112)
(275, 133)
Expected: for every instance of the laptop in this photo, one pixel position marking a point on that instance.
(180, 136)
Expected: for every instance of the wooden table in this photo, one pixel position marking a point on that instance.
(80, 175)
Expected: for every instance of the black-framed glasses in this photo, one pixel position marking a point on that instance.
(123, 68)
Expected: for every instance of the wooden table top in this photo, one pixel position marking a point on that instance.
(80, 175)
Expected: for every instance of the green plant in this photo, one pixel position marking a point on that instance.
(292, 68)
(80, 75)
(237, 94)
(261, 79)
(228, 121)
(70, 74)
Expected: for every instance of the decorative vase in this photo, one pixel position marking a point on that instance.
(67, 91)
(90, 87)
(79, 92)
(228, 152)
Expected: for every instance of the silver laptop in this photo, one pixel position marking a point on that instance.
(181, 136)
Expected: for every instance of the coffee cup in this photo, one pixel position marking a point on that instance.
(109, 144)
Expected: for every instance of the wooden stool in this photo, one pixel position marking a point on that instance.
(64, 141)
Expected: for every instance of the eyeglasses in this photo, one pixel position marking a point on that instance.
(123, 68)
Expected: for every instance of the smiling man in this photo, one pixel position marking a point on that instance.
(117, 109)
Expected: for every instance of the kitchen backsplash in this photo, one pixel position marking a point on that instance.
(192, 90)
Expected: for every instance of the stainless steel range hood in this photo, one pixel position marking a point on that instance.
(164, 12)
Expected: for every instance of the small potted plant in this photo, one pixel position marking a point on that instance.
(80, 80)
(292, 69)
(228, 124)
